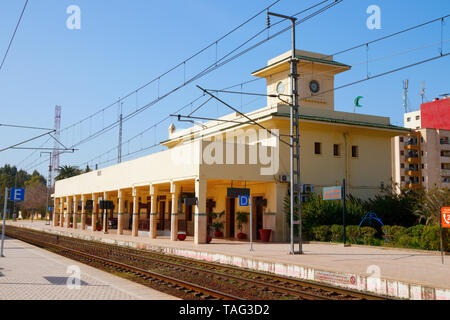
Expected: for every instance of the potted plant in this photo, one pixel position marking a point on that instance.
(208, 238)
(181, 236)
(241, 218)
(217, 225)
(98, 226)
(265, 234)
(218, 229)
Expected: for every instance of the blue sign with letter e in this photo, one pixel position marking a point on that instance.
(17, 194)
(243, 201)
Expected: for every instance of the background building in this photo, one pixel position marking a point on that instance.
(422, 158)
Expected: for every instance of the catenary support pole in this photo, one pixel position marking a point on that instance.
(251, 224)
(4, 221)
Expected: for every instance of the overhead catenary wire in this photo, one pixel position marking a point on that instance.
(157, 78)
(204, 72)
(376, 40)
(13, 35)
(207, 70)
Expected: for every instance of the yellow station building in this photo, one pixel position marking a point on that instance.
(202, 162)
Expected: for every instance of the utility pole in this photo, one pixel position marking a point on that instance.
(295, 141)
(49, 184)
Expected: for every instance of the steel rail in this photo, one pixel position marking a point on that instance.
(131, 269)
(187, 263)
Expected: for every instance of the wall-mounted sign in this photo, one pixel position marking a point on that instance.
(236, 192)
(332, 193)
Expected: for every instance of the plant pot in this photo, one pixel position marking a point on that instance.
(265, 234)
(99, 228)
(241, 235)
(208, 238)
(181, 236)
(218, 234)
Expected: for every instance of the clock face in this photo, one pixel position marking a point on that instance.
(314, 86)
(280, 87)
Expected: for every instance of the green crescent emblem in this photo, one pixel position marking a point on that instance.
(357, 101)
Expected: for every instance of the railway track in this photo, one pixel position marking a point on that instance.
(201, 279)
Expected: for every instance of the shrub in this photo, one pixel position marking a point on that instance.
(322, 233)
(430, 239)
(337, 232)
(415, 231)
(352, 234)
(393, 233)
(367, 235)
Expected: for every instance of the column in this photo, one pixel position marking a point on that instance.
(83, 213)
(153, 212)
(105, 211)
(55, 211)
(94, 211)
(75, 212)
(174, 190)
(135, 223)
(69, 211)
(200, 220)
(61, 213)
(120, 213)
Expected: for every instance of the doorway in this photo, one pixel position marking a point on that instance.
(230, 218)
(162, 210)
(259, 213)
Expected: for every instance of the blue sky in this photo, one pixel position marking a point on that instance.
(123, 44)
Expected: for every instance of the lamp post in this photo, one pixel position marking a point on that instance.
(295, 140)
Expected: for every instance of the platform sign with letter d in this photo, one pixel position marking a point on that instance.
(243, 201)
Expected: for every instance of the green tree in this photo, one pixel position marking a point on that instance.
(429, 207)
(65, 172)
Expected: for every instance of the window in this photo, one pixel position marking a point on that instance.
(355, 151)
(317, 147)
(421, 139)
(417, 117)
(423, 179)
(403, 178)
(336, 150)
(423, 166)
(408, 119)
(402, 153)
(402, 165)
(401, 139)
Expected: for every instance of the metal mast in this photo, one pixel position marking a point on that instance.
(295, 205)
(55, 154)
(405, 94)
(422, 93)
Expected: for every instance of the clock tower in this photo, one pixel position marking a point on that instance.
(316, 79)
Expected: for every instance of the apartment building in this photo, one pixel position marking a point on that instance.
(422, 157)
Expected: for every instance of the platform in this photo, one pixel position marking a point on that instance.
(31, 273)
(400, 273)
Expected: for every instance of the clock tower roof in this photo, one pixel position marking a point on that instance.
(316, 78)
(306, 60)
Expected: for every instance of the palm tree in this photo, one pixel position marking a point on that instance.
(429, 208)
(65, 172)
